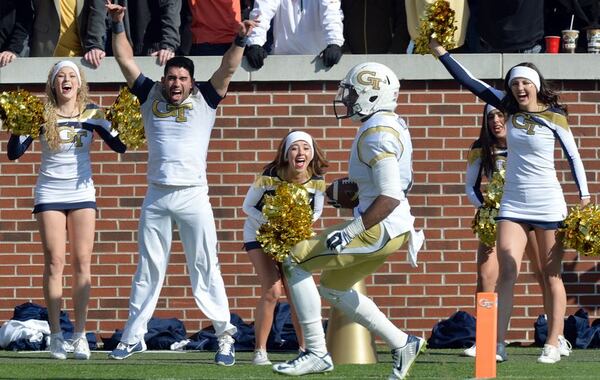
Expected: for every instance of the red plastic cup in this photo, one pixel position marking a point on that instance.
(552, 44)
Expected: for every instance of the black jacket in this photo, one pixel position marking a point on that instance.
(16, 19)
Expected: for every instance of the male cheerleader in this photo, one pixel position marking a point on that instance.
(178, 117)
(381, 165)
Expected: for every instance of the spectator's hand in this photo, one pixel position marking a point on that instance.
(163, 55)
(337, 240)
(94, 57)
(331, 55)
(256, 55)
(6, 57)
(115, 11)
(246, 27)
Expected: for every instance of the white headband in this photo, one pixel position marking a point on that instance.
(62, 64)
(527, 73)
(489, 108)
(297, 136)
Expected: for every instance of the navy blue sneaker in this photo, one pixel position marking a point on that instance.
(226, 352)
(125, 350)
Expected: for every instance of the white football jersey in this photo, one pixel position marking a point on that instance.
(384, 136)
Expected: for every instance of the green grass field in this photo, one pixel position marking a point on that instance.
(433, 364)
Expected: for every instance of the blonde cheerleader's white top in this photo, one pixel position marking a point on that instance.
(475, 172)
(299, 26)
(381, 164)
(169, 129)
(266, 184)
(65, 175)
(532, 190)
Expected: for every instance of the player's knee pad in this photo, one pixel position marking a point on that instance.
(342, 299)
(356, 307)
(293, 272)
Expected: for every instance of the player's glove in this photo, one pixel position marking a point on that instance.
(256, 55)
(331, 55)
(337, 240)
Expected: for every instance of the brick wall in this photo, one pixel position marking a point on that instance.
(443, 120)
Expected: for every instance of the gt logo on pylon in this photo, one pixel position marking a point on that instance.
(368, 78)
(485, 303)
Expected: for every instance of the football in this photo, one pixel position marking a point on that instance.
(342, 193)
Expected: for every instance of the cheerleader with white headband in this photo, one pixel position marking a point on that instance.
(65, 196)
(533, 205)
(298, 160)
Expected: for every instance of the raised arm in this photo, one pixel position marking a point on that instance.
(231, 60)
(121, 47)
(479, 88)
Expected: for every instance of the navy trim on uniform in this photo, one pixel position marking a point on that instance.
(252, 245)
(209, 93)
(531, 224)
(61, 206)
(16, 148)
(141, 87)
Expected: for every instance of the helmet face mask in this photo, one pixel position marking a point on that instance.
(345, 102)
(367, 88)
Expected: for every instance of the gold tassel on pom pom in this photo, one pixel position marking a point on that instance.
(437, 23)
(581, 230)
(289, 220)
(126, 118)
(21, 113)
(484, 222)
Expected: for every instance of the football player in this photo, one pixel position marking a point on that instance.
(381, 165)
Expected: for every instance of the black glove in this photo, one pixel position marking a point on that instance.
(331, 55)
(256, 55)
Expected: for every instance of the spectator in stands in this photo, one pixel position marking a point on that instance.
(16, 18)
(375, 26)
(299, 27)
(69, 28)
(154, 27)
(65, 198)
(210, 24)
(298, 160)
(511, 26)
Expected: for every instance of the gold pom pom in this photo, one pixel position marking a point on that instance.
(581, 230)
(437, 23)
(126, 118)
(21, 113)
(484, 222)
(289, 220)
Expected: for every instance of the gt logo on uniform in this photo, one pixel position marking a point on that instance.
(172, 110)
(368, 78)
(525, 121)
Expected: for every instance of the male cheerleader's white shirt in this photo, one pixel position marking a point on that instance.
(266, 184)
(177, 135)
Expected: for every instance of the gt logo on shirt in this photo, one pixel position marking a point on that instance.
(368, 78)
(525, 121)
(69, 135)
(177, 111)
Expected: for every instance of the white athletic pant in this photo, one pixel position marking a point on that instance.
(190, 208)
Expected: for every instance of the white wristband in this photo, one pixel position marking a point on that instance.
(356, 227)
